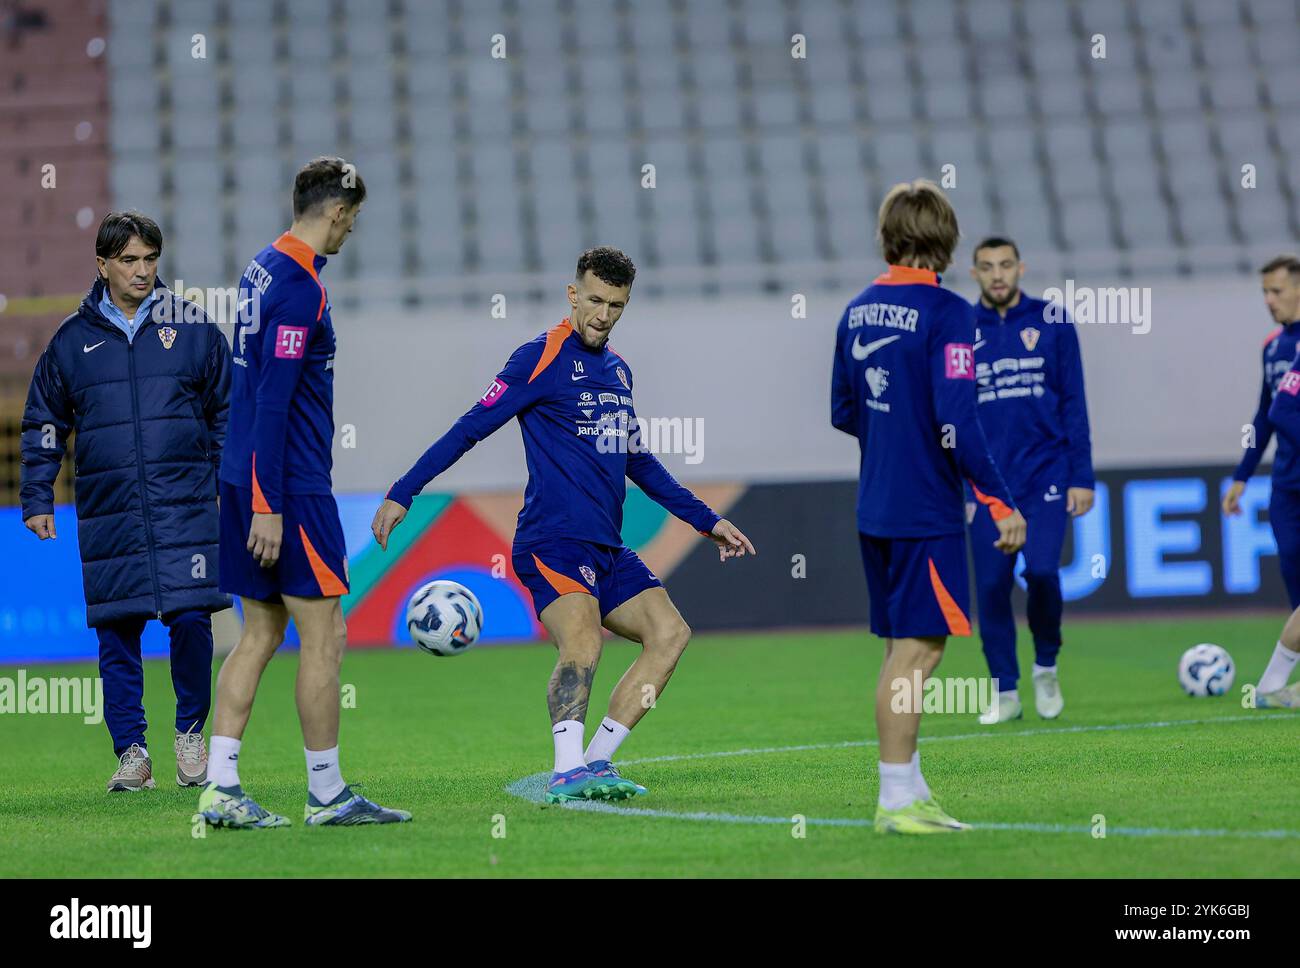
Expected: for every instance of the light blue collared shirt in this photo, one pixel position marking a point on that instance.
(118, 318)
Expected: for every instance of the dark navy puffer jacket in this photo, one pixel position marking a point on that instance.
(150, 417)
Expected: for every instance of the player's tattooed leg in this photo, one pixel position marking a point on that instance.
(569, 690)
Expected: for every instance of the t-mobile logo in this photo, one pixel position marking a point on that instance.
(289, 342)
(493, 393)
(1290, 383)
(958, 360)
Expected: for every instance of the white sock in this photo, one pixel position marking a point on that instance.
(919, 786)
(609, 735)
(1010, 695)
(1279, 669)
(1043, 670)
(323, 777)
(896, 789)
(223, 761)
(568, 745)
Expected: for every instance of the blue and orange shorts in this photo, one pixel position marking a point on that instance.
(918, 587)
(551, 568)
(313, 557)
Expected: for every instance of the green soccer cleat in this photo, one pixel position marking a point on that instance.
(613, 786)
(915, 818)
(936, 813)
(576, 784)
(235, 809)
(349, 809)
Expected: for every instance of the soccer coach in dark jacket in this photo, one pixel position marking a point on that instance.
(143, 376)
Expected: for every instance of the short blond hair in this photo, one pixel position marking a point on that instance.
(917, 224)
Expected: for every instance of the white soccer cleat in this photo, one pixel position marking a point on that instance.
(1004, 710)
(1288, 697)
(1047, 694)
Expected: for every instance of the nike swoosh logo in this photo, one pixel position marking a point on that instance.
(557, 732)
(979, 344)
(575, 377)
(320, 766)
(861, 352)
(609, 728)
(87, 349)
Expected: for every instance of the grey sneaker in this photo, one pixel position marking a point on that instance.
(191, 759)
(134, 772)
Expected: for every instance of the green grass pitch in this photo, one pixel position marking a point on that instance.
(444, 738)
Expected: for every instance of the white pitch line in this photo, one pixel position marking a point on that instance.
(987, 734)
(533, 787)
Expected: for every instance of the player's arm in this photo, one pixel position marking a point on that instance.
(285, 334)
(1262, 432)
(952, 381)
(1081, 484)
(842, 402)
(215, 394)
(646, 471)
(525, 379)
(47, 421)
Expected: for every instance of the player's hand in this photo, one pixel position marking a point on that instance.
(264, 538)
(1232, 500)
(389, 516)
(1078, 501)
(730, 541)
(41, 525)
(1011, 533)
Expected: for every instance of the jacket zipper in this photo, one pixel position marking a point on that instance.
(139, 466)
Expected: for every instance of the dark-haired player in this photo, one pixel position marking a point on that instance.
(573, 397)
(1029, 379)
(903, 384)
(282, 549)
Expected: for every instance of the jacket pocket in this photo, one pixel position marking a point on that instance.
(203, 428)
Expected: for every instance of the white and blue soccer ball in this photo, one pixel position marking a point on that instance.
(444, 618)
(1206, 670)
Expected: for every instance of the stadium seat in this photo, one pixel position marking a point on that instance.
(493, 160)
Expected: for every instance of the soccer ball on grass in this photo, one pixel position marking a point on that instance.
(1206, 670)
